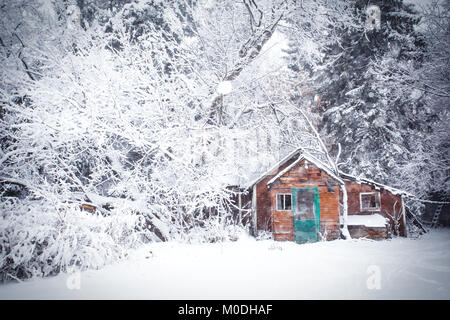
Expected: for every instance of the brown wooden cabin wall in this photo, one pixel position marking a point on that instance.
(281, 222)
(263, 201)
(367, 232)
(298, 177)
(387, 202)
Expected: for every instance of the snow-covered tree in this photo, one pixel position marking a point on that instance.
(126, 123)
(434, 83)
(366, 78)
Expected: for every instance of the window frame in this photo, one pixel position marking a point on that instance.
(284, 201)
(378, 201)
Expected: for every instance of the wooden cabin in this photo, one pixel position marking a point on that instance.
(299, 198)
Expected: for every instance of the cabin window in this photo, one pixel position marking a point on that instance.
(304, 205)
(370, 201)
(284, 202)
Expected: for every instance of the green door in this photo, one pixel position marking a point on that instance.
(306, 213)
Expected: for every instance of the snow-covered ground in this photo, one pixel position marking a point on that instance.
(249, 269)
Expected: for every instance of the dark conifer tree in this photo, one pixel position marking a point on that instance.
(368, 103)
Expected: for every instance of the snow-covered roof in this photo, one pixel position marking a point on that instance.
(301, 156)
(309, 158)
(377, 185)
(369, 220)
(319, 164)
(282, 172)
(273, 169)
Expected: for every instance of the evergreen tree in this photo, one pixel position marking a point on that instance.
(368, 105)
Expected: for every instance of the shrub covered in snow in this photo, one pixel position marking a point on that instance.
(39, 238)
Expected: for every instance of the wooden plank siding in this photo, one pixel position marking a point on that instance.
(306, 175)
(367, 232)
(263, 200)
(302, 176)
(386, 209)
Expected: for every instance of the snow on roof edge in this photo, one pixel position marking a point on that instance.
(282, 172)
(392, 190)
(303, 155)
(274, 167)
(322, 166)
